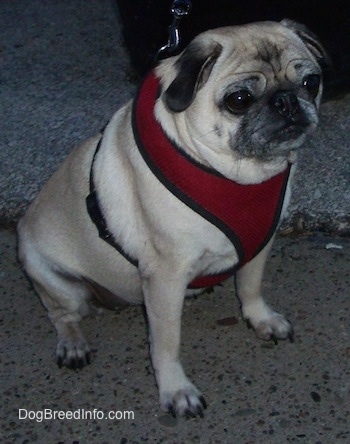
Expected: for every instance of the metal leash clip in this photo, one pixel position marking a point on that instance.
(179, 9)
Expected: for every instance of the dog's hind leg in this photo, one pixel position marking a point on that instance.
(267, 323)
(65, 298)
(65, 312)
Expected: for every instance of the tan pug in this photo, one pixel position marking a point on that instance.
(184, 187)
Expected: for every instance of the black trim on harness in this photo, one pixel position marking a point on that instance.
(97, 217)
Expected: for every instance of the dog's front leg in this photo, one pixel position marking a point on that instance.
(267, 323)
(164, 293)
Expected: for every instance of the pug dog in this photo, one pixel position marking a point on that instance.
(185, 187)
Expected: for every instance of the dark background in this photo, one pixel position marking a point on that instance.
(145, 24)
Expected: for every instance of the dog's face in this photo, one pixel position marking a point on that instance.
(252, 90)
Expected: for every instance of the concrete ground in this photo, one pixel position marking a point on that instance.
(64, 71)
(257, 392)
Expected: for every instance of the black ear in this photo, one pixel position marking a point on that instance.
(311, 41)
(193, 69)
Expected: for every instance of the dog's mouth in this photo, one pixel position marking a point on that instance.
(289, 133)
(268, 142)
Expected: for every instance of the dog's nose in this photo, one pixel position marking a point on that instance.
(287, 105)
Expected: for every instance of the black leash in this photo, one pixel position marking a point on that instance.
(179, 9)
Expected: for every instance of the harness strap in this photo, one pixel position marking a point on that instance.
(96, 214)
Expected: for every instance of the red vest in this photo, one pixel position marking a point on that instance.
(247, 214)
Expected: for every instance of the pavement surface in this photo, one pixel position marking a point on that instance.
(257, 392)
(64, 72)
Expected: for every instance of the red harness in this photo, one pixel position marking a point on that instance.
(247, 214)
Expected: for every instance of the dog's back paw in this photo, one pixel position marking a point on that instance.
(73, 353)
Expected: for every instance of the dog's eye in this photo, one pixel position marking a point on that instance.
(312, 84)
(238, 101)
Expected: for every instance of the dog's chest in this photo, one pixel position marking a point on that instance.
(246, 214)
(225, 223)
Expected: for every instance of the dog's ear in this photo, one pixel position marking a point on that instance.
(193, 69)
(311, 41)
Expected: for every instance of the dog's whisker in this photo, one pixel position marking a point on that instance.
(207, 133)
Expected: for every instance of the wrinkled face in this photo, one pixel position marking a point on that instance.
(256, 93)
(268, 105)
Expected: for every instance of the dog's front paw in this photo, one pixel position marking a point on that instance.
(184, 402)
(268, 324)
(73, 354)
